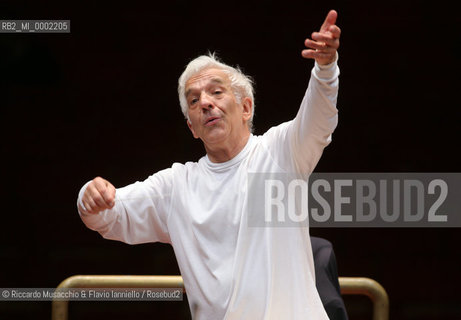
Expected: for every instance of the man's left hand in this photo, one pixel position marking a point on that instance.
(324, 43)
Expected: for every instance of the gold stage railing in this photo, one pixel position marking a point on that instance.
(349, 285)
(371, 289)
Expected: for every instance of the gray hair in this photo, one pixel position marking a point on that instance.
(242, 85)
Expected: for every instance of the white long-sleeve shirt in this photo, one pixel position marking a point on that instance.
(232, 270)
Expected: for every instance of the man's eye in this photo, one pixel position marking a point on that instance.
(218, 92)
(193, 101)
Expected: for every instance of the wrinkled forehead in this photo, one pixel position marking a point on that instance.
(207, 76)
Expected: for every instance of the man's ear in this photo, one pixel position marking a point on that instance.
(191, 129)
(247, 105)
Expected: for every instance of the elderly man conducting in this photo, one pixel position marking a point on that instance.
(230, 270)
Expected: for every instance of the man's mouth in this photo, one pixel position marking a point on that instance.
(211, 121)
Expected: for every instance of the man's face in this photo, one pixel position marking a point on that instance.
(215, 114)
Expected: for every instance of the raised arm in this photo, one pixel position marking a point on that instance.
(310, 132)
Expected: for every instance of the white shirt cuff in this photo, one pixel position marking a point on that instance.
(79, 200)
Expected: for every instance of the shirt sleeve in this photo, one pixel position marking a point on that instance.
(297, 145)
(140, 212)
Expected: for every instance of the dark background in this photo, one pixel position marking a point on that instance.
(102, 101)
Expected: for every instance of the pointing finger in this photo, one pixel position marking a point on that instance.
(329, 20)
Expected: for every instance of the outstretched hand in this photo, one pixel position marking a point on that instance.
(324, 43)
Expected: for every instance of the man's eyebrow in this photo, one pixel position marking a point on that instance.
(217, 80)
(212, 80)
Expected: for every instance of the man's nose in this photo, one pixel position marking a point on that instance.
(206, 101)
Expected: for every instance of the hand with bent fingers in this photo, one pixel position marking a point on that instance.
(99, 195)
(324, 43)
